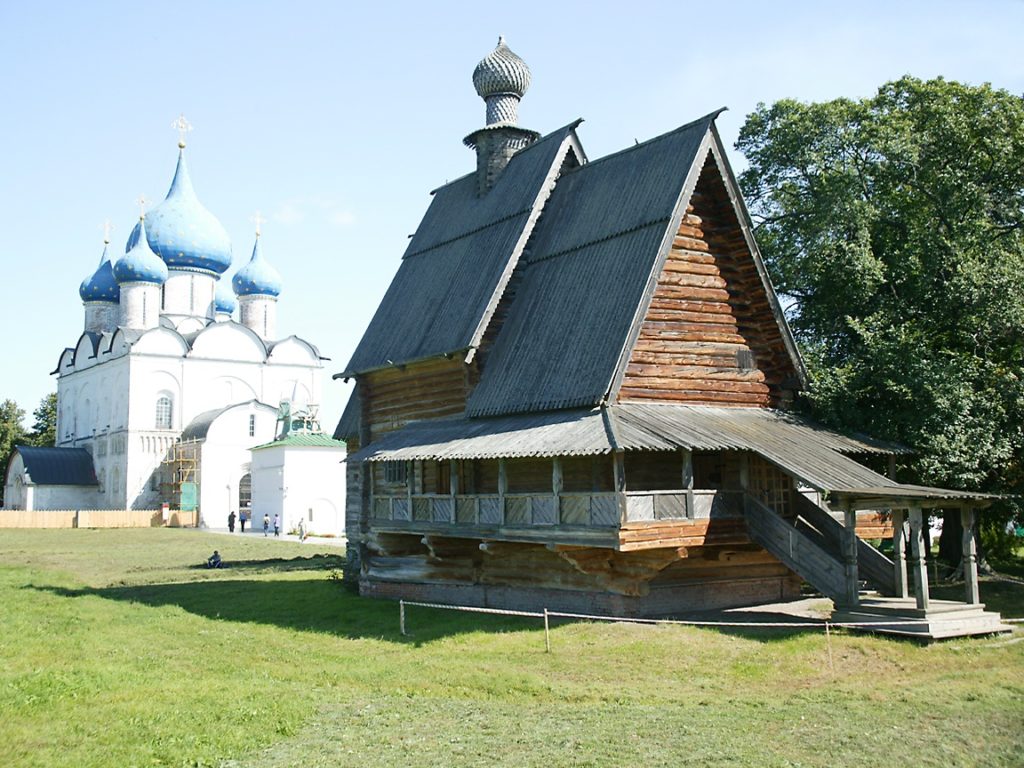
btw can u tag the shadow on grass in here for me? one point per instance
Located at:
(317, 604)
(278, 564)
(325, 605)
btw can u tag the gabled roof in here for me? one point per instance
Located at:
(58, 466)
(589, 268)
(457, 263)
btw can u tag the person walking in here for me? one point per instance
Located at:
(241, 519)
(266, 524)
(277, 526)
(302, 529)
(231, 522)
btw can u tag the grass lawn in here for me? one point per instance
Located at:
(116, 650)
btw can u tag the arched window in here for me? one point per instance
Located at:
(164, 412)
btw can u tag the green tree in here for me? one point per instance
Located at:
(895, 226)
(44, 429)
(11, 432)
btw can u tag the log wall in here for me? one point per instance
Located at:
(709, 336)
(432, 389)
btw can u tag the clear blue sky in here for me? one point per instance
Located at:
(335, 120)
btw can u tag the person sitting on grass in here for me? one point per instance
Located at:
(214, 561)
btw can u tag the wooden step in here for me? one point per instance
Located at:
(941, 620)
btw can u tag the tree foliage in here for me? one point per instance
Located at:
(895, 225)
(44, 428)
(11, 433)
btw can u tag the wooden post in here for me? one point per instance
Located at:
(547, 633)
(970, 556)
(401, 617)
(453, 485)
(899, 552)
(502, 488)
(918, 562)
(373, 490)
(619, 468)
(410, 478)
(556, 486)
(850, 554)
(688, 482)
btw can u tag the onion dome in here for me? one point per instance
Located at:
(182, 232)
(140, 264)
(257, 278)
(501, 72)
(101, 285)
(224, 301)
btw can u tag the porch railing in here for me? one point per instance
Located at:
(599, 509)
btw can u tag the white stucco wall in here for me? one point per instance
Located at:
(300, 482)
(225, 459)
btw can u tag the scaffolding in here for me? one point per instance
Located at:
(180, 475)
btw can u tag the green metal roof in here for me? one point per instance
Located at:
(304, 440)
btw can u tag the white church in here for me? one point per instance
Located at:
(165, 392)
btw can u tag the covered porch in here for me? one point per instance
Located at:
(909, 609)
(682, 489)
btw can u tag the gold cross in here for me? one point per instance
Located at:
(142, 206)
(182, 126)
(258, 221)
(107, 226)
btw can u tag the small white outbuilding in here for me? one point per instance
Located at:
(300, 477)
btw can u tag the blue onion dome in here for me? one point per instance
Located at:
(140, 264)
(101, 285)
(257, 277)
(223, 298)
(182, 232)
(501, 72)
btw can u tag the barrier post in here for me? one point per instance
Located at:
(547, 633)
(828, 644)
(401, 617)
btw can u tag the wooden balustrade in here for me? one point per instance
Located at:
(591, 510)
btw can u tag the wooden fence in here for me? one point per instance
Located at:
(95, 518)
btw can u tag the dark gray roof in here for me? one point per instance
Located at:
(58, 466)
(587, 270)
(199, 427)
(348, 424)
(455, 262)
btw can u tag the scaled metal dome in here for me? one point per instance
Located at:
(257, 278)
(182, 232)
(140, 264)
(224, 300)
(501, 72)
(101, 284)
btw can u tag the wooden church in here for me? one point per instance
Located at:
(574, 396)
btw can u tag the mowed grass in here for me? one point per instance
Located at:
(116, 650)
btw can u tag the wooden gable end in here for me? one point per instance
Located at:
(710, 335)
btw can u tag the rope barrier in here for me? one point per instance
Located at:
(546, 615)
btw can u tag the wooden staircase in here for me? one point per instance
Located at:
(799, 545)
(809, 543)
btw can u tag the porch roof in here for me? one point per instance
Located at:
(804, 449)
